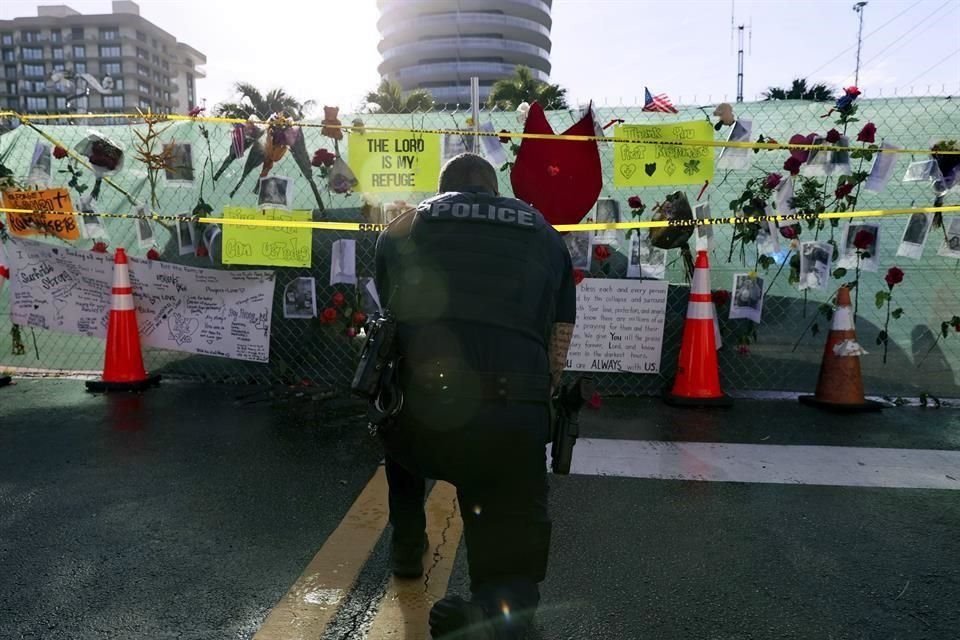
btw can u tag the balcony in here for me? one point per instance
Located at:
(465, 24)
(457, 72)
(512, 51)
(392, 10)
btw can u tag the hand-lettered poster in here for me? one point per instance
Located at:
(386, 162)
(50, 213)
(646, 164)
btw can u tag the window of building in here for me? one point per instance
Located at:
(8, 55)
(158, 77)
(142, 54)
(36, 103)
(156, 60)
(58, 66)
(11, 87)
(12, 103)
(143, 71)
(30, 36)
(113, 102)
(110, 33)
(57, 53)
(31, 53)
(60, 103)
(141, 36)
(6, 38)
(79, 51)
(80, 67)
(76, 33)
(10, 71)
(143, 87)
(56, 36)
(157, 92)
(166, 96)
(34, 70)
(111, 68)
(118, 84)
(144, 103)
(111, 51)
(165, 65)
(82, 103)
(191, 101)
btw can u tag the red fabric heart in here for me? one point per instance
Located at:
(562, 198)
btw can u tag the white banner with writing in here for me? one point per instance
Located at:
(619, 326)
(219, 313)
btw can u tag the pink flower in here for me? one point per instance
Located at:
(772, 181)
(595, 401)
(743, 350)
(833, 136)
(351, 332)
(868, 133)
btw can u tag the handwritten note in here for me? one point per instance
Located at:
(619, 326)
(394, 162)
(268, 246)
(220, 313)
(650, 165)
(47, 215)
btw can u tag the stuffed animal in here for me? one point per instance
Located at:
(725, 112)
(331, 128)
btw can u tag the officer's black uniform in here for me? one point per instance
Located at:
(476, 282)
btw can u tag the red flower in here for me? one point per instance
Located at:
(359, 317)
(339, 299)
(792, 165)
(601, 252)
(153, 254)
(833, 136)
(323, 158)
(59, 152)
(868, 133)
(504, 139)
(843, 190)
(894, 277)
(329, 315)
(772, 181)
(634, 202)
(721, 297)
(99, 247)
(4, 272)
(202, 251)
(553, 170)
(743, 350)
(790, 232)
(351, 332)
(594, 401)
(577, 276)
(801, 154)
(863, 240)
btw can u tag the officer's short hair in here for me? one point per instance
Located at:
(468, 170)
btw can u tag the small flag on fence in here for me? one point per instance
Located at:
(237, 143)
(659, 103)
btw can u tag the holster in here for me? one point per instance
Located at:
(567, 403)
(376, 376)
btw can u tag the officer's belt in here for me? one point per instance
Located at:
(513, 387)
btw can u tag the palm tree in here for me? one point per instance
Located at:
(254, 103)
(800, 91)
(389, 96)
(523, 87)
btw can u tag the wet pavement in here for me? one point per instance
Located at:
(191, 511)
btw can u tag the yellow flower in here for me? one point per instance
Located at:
(753, 275)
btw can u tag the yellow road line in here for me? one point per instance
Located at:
(405, 608)
(314, 598)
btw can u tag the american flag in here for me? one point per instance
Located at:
(237, 143)
(657, 103)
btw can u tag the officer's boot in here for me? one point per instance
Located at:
(406, 558)
(479, 619)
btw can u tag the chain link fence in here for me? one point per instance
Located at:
(783, 352)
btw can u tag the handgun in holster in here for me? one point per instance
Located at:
(376, 377)
(567, 402)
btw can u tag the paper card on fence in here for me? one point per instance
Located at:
(643, 164)
(783, 196)
(456, 143)
(91, 225)
(950, 248)
(49, 213)
(733, 157)
(186, 236)
(768, 242)
(369, 297)
(747, 299)
(300, 299)
(815, 261)
(578, 244)
(922, 171)
(145, 233)
(492, 147)
(882, 170)
(210, 235)
(267, 245)
(915, 236)
(275, 192)
(343, 262)
(646, 260)
(701, 211)
(40, 166)
(607, 210)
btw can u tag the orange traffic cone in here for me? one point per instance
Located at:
(840, 387)
(698, 375)
(123, 365)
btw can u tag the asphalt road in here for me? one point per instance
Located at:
(191, 511)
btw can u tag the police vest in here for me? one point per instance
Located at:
(477, 258)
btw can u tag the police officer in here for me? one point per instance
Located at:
(482, 290)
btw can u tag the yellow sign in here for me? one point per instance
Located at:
(267, 246)
(391, 162)
(46, 217)
(652, 165)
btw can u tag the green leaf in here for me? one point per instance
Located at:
(882, 297)
(839, 273)
(944, 329)
(815, 329)
(881, 337)
(896, 313)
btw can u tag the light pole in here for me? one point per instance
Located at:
(859, 9)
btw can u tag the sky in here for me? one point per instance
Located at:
(605, 50)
